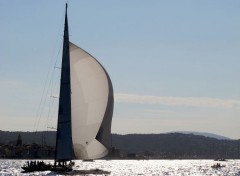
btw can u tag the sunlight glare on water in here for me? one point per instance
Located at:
(137, 167)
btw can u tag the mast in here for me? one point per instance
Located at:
(64, 147)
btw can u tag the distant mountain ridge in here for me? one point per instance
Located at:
(178, 145)
(49, 136)
(168, 145)
(211, 135)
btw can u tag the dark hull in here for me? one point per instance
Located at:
(36, 168)
(61, 169)
(67, 170)
(47, 168)
(217, 167)
(50, 168)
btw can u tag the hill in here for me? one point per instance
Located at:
(8, 137)
(211, 135)
(178, 145)
(168, 145)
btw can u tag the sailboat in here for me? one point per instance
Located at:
(85, 109)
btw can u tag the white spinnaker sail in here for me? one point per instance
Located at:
(89, 100)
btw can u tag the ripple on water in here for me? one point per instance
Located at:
(137, 167)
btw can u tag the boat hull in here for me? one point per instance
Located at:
(34, 169)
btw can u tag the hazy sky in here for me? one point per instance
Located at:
(174, 64)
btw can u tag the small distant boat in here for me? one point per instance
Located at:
(85, 111)
(88, 160)
(217, 166)
(220, 159)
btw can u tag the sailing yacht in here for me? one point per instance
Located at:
(85, 109)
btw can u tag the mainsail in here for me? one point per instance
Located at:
(64, 149)
(85, 105)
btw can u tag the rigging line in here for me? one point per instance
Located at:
(40, 107)
(49, 92)
(54, 88)
(43, 101)
(45, 91)
(51, 102)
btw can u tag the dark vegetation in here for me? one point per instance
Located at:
(161, 146)
(177, 145)
(47, 137)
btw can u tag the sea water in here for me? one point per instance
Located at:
(137, 167)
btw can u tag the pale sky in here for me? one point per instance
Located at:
(174, 64)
